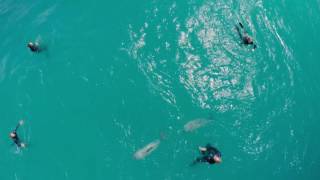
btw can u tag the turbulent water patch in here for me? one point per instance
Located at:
(202, 53)
(210, 64)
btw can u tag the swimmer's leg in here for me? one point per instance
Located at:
(198, 160)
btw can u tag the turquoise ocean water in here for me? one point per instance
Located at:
(118, 75)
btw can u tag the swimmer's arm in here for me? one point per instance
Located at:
(19, 144)
(18, 125)
(202, 149)
(240, 24)
(15, 130)
(239, 32)
(244, 31)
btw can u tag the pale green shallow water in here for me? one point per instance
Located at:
(118, 75)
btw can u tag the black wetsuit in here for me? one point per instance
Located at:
(34, 48)
(207, 156)
(16, 138)
(244, 37)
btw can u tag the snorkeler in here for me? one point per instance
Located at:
(210, 155)
(14, 136)
(246, 39)
(34, 47)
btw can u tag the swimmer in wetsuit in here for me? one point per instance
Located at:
(210, 155)
(246, 39)
(34, 47)
(14, 136)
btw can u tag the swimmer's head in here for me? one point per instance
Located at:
(217, 159)
(13, 135)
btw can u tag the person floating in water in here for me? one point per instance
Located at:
(34, 47)
(210, 155)
(15, 138)
(246, 39)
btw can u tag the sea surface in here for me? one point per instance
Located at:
(118, 75)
